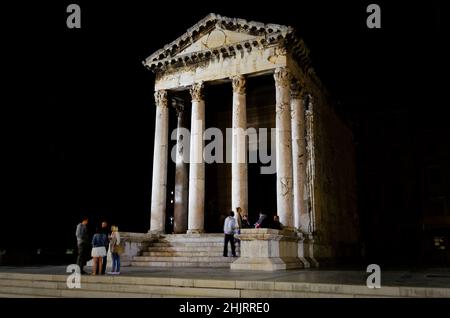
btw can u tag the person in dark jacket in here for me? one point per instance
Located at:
(82, 243)
(276, 223)
(105, 231)
(245, 222)
(98, 250)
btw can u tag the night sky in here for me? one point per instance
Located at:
(78, 108)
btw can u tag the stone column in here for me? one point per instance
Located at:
(284, 148)
(196, 215)
(159, 182)
(298, 155)
(181, 174)
(310, 166)
(239, 185)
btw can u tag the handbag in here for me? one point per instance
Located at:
(119, 248)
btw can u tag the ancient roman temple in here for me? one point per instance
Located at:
(249, 90)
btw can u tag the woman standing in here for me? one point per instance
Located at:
(98, 250)
(116, 249)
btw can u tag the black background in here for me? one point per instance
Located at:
(78, 109)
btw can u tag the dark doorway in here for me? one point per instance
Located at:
(218, 107)
(261, 115)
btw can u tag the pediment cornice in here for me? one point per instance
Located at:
(259, 36)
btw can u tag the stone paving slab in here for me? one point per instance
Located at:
(436, 278)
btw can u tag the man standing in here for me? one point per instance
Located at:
(82, 243)
(229, 227)
(105, 231)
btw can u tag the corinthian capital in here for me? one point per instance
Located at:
(282, 77)
(197, 92)
(178, 105)
(310, 98)
(238, 84)
(161, 98)
(309, 104)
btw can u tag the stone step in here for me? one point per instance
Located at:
(12, 288)
(187, 241)
(180, 264)
(43, 285)
(212, 249)
(199, 259)
(30, 291)
(187, 244)
(106, 290)
(12, 295)
(192, 238)
(184, 253)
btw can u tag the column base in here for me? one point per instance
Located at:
(155, 232)
(301, 251)
(194, 231)
(306, 249)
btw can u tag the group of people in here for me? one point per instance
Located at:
(98, 246)
(232, 226)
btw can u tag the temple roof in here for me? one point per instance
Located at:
(218, 35)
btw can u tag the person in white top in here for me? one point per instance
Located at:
(229, 227)
(116, 249)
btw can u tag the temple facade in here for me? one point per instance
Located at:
(244, 77)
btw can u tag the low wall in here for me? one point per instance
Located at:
(268, 250)
(134, 244)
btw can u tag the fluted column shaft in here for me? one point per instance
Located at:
(181, 175)
(159, 181)
(239, 184)
(196, 215)
(298, 155)
(284, 148)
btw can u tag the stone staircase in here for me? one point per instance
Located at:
(124, 286)
(185, 250)
(19, 285)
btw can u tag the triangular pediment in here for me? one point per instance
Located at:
(215, 31)
(217, 37)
